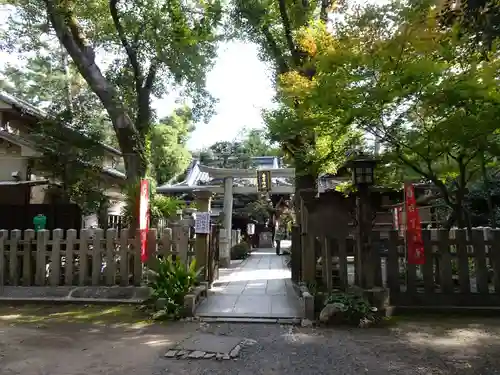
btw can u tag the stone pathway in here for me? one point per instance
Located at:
(257, 288)
(209, 346)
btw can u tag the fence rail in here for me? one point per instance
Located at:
(86, 257)
(460, 270)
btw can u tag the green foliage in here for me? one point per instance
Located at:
(72, 154)
(257, 210)
(153, 46)
(171, 281)
(160, 206)
(354, 309)
(240, 251)
(169, 154)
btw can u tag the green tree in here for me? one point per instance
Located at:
(152, 45)
(169, 154)
(273, 25)
(72, 156)
(394, 73)
(256, 142)
(52, 83)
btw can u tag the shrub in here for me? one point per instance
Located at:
(171, 281)
(240, 251)
(350, 308)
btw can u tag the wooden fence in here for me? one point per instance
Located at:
(459, 270)
(88, 257)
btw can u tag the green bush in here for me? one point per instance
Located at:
(171, 281)
(352, 308)
(240, 251)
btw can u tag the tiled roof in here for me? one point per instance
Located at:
(31, 110)
(196, 177)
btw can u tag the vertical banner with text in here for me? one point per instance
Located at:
(144, 218)
(414, 241)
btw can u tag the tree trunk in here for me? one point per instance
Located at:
(83, 55)
(489, 198)
(303, 183)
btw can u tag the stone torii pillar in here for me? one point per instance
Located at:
(225, 238)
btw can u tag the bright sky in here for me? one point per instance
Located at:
(238, 80)
(242, 84)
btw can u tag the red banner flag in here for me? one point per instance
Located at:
(144, 218)
(414, 241)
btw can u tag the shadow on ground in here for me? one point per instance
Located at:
(91, 340)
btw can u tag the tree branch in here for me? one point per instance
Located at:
(288, 32)
(130, 51)
(143, 120)
(323, 14)
(273, 46)
(70, 36)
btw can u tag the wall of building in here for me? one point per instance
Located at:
(11, 160)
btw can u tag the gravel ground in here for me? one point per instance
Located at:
(453, 347)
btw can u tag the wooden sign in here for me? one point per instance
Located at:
(264, 181)
(202, 223)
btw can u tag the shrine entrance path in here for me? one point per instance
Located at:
(256, 288)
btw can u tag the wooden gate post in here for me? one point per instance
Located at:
(203, 201)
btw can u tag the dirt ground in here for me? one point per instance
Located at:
(92, 340)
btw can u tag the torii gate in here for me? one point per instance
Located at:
(228, 175)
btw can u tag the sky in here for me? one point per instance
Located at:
(242, 84)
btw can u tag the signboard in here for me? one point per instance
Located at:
(399, 220)
(144, 218)
(264, 181)
(202, 223)
(414, 241)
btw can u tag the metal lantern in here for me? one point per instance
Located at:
(362, 170)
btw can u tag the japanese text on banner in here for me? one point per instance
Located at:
(144, 218)
(414, 241)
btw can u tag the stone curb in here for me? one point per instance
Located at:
(307, 302)
(194, 298)
(75, 294)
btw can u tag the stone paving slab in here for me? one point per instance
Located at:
(209, 343)
(260, 287)
(209, 346)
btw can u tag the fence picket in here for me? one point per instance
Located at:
(29, 236)
(97, 256)
(110, 272)
(136, 256)
(69, 256)
(3, 239)
(494, 259)
(42, 240)
(83, 257)
(428, 266)
(55, 257)
(480, 266)
(124, 258)
(15, 236)
(392, 263)
(463, 261)
(445, 269)
(343, 269)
